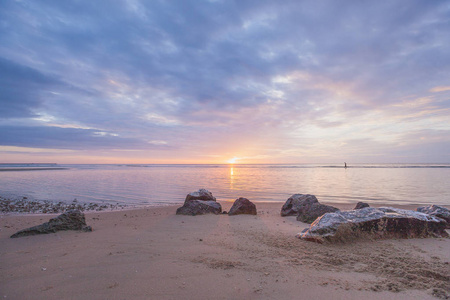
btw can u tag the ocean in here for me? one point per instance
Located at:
(156, 185)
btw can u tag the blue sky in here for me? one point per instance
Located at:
(215, 81)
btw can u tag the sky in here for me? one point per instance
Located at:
(225, 81)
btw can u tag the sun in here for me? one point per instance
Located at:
(232, 160)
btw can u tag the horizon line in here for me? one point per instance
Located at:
(295, 163)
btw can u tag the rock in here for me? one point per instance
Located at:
(199, 203)
(373, 223)
(199, 207)
(360, 205)
(295, 202)
(70, 220)
(308, 213)
(242, 206)
(306, 207)
(201, 194)
(437, 211)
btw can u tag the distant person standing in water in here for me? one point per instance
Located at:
(345, 165)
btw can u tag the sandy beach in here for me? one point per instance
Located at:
(151, 253)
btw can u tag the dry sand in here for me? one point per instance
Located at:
(155, 254)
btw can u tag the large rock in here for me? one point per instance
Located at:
(360, 205)
(369, 222)
(242, 206)
(308, 213)
(437, 211)
(201, 194)
(70, 220)
(199, 203)
(199, 207)
(296, 202)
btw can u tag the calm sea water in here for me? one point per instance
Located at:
(151, 185)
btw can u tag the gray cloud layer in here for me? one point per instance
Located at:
(165, 74)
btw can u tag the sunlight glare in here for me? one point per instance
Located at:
(232, 160)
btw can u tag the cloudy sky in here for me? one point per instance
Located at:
(218, 81)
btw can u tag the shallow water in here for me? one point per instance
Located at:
(144, 185)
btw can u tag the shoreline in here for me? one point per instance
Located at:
(33, 207)
(152, 253)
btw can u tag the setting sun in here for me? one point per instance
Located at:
(232, 160)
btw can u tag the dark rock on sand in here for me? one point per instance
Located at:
(199, 207)
(201, 194)
(360, 205)
(437, 211)
(296, 202)
(242, 206)
(308, 213)
(372, 223)
(199, 203)
(306, 207)
(70, 220)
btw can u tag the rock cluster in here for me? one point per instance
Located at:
(242, 206)
(203, 202)
(384, 222)
(70, 220)
(306, 207)
(199, 203)
(24, 205)
(437, 211)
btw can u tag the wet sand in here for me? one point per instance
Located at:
(154, 254)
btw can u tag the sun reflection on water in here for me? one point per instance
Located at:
(231, 178)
